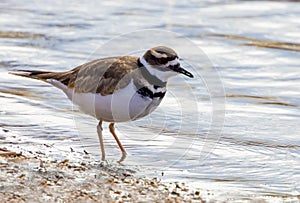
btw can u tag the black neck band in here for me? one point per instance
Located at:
(146, 92)
(149, 77)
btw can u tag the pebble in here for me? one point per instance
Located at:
(82, 182)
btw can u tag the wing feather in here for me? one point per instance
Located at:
(105, 75)
(102, 76)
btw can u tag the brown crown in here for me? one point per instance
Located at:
(160, 55)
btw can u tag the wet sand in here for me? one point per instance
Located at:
(35, 175)
(36, 179)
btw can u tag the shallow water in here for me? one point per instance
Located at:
(254, 47)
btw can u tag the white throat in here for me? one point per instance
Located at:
(163, 76)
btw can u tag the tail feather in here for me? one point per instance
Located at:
(65, 78)
(35, 74)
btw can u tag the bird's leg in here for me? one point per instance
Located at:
(112, 131)
(99, 131)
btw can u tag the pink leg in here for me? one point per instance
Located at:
(99, 131)
(112, 131)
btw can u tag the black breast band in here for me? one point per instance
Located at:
(146, 92)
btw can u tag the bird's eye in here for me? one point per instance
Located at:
(172, 58)
(162, 60)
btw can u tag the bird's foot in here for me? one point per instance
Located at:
(123, 157)
(104, 163)
(103, 158)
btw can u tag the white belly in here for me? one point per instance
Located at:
(123, 105)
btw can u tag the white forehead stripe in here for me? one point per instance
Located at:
(173, 63)
(158, 55)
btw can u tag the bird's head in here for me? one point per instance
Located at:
(163, 62)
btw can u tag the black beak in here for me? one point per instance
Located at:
(178, 69)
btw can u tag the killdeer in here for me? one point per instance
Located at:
(116, 89)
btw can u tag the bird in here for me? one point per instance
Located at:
(116, 89)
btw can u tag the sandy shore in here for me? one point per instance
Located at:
(34, 179)
(35, 172)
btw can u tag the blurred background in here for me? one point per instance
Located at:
(253, 46)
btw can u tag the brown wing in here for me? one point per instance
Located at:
(102, 76)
